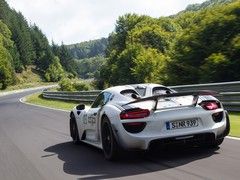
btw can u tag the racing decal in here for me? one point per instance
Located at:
(84, 119)
(92, 120)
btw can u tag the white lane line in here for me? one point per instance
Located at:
(234, 138)
(22, 100)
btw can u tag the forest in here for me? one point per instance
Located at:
(23, 44)
(89, 57)
(198, 45)
(88, 49)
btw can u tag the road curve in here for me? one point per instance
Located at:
(35, 144)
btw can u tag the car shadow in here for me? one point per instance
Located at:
(89, 163)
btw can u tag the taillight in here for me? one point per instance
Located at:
(136, 113)
(210, 105)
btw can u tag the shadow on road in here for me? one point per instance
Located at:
(89, 162)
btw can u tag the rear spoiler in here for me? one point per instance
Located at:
(195, 95)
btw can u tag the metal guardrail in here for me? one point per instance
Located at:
(219, 87)
(81, 96)
(229, 93)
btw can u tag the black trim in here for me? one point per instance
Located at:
(228, 127)
(192, 139)
(129, 127)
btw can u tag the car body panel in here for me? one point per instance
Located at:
(113, 103)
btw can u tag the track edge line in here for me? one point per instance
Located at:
(22, 100)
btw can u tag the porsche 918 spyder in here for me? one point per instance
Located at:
(136, 117)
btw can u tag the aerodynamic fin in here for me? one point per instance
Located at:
(195, 95)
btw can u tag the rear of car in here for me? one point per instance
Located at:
(171, 118)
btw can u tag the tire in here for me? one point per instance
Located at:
(74, 130)
(109, 144)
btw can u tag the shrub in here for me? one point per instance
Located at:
(66, 85)
(55, 71)
(82, 86)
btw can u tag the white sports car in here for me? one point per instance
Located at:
(137, 117)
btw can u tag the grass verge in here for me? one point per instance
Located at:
(39, 100)
(235, 124)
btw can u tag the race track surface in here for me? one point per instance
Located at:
(35, 144)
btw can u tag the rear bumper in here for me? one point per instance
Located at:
(195, 139)
(144, 141)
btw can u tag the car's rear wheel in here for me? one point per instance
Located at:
(74, 130)
(110, 146)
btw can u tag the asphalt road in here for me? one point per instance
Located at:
(35, 144)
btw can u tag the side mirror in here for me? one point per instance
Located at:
(80, 107)
(135, 96)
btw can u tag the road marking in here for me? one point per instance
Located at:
(234, 138)
(22, 100)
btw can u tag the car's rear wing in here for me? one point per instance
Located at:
(156, 98)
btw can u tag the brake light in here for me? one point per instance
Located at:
(136, 113)
(210, 105)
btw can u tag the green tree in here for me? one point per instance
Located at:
(55, 71)
(214, 68)
(214, 31)
(89, 67)
(65, 57)
(88, 49)
(43, 53)
(124, 24)
(150, 66)
(21, 36)
(6, 70)
(66, 84)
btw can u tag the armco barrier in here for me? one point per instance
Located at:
(81, 96)
(219, 87)
(229, 93)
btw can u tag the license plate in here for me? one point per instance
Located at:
(182, 124)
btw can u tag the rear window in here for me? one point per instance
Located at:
(161, 90)
(128, 92)
(141, 90)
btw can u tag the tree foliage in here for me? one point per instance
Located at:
(207, 4)
(43, 53)
(214, 37)
(65, 57)
(22, 45)
(200, 44)
(88, 49)
(89, 67)
(67, 84)
(55, 71)
(6, 70)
